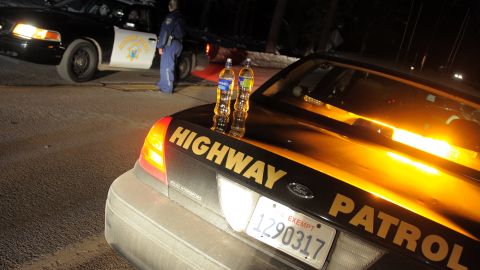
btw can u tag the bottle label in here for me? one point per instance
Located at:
(245, 82)
(224, 84)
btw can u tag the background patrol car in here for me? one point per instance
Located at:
(343, 165)
(82, 36)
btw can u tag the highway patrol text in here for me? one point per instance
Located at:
(263, 173)
(433, 247)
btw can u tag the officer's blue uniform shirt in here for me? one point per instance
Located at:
(173, 25)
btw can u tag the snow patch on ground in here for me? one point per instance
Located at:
(270, 60)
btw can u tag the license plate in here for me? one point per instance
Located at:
(291, 232)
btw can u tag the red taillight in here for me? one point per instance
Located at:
(152, 157)
(207, 49)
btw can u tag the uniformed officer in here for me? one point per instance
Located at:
(170, 46)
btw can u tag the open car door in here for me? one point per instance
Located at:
(133, 49)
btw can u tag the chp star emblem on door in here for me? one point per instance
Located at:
(133, 52)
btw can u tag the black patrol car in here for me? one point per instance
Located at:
(344, 165)
(83, 36)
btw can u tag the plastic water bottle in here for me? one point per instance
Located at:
(226, 81)
(245, 84)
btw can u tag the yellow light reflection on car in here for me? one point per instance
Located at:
(424, 189)
(432, 146)
(420, 194)
(436, 147)
(416, 164)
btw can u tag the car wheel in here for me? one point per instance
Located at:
(79, 62)
(184, 66)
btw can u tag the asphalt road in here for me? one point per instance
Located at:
(18, 72)
(61, 146)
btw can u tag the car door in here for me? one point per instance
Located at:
(133, 49)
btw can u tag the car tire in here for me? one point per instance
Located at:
(79, 62)
(184, 66)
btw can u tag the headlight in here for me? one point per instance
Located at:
(30, 31)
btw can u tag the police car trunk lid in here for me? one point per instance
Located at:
(359, 185)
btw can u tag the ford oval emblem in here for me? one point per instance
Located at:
(300, 190)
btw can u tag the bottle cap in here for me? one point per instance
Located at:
(229, 60)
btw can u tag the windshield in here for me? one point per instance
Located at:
(103, 9)
(413, 114)
(79, 5)
(119, 13)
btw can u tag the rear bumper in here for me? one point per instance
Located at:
(153, 232)
(37, 51)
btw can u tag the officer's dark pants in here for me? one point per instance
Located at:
(167, 66)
